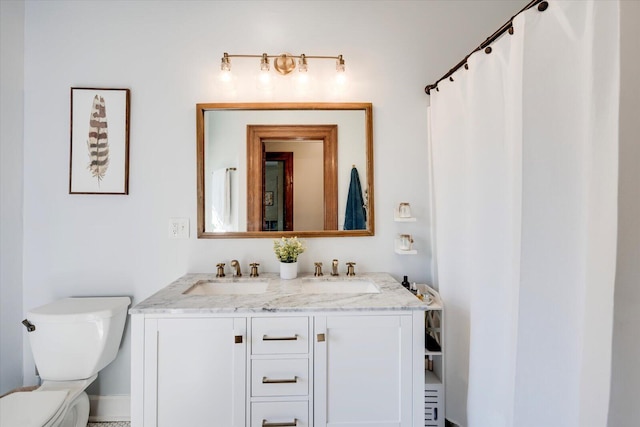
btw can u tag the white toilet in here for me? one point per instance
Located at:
(72, 340)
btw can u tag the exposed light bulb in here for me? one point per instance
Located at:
(264, 77)
(341, 75)
(265, 81)
(225, 76)
(303, 83)
(303, 78)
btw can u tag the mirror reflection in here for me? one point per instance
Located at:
(284, 169)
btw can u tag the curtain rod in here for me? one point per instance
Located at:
(508, 26)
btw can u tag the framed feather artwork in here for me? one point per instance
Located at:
(99, 158)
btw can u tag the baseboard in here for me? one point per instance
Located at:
(110, 408)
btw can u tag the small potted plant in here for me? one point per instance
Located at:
(287, 251)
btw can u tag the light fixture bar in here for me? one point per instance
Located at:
(228, 55)
(283, 63)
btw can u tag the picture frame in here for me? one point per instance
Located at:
(268, 198)
(99, 141)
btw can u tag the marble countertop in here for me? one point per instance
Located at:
(280, 296)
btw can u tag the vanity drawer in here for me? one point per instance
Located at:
(280, 335)
(279, 414)
(281, 377)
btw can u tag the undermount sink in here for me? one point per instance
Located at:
(209, 287)
(339, 287)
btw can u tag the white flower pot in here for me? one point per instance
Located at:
(288, 270)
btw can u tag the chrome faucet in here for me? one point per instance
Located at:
(220, 271)
(350, 270)
(334, 268)
(254, 269)
(235, 264)
(318, 271)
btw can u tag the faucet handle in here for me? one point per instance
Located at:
(220, 271)
(318, 271)
(254, 269)
(350, 269)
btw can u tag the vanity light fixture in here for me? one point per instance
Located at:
(284, 63)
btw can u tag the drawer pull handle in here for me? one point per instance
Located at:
(293, 423)
(293, 338)
(266, 380)
(237, 339)
(321, 338)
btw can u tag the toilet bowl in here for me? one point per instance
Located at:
(72, 340)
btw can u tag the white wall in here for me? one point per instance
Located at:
(168, 53)
(11, 120)
(625, 375)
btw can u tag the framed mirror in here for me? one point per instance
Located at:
(284, 169)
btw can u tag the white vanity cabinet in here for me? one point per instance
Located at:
(363, 371)
(194, 372)
(285, 357)
(322, 370)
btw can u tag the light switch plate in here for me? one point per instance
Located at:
(179, 228)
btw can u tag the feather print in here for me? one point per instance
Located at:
(98, 143)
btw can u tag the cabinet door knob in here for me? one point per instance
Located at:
(321, 338)
(238, 339)
(293, 423)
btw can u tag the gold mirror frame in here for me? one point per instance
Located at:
(201, 109)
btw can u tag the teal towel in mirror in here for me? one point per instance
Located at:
(355, 217)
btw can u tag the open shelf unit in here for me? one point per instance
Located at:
(434, 414)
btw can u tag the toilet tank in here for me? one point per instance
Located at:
(74, 338)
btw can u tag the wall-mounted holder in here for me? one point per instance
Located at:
(402, 213)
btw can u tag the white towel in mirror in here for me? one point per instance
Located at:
(221, 199)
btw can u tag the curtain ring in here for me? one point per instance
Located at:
(466, 66)
(543, 6)
(511, 30)
(450, 79)
(488, 50)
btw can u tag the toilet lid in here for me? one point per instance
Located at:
(30, 409)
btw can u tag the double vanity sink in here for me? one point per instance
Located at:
(205, 293)
(254, 352)
(307, 286)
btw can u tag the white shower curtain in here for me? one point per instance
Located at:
(524, 151)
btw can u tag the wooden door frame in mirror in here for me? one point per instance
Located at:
(202, 108)
(257, 134)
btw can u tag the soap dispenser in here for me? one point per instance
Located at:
(405, 282)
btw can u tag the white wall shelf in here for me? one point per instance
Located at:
(397, 218)
(403, 251)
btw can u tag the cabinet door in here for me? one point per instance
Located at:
(195, 372)
(363, 371)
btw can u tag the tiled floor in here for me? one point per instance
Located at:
(112, 424)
